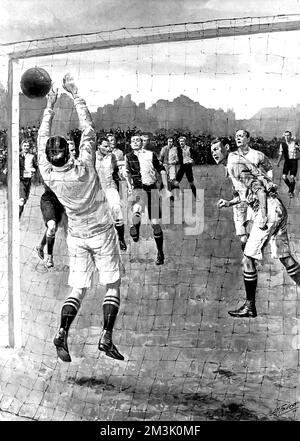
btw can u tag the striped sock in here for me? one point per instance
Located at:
(250, 281)
(111, 305)
(68, 312)
(294, 272)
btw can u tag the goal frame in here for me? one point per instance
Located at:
(87, 42)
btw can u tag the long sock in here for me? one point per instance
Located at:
(120, 230)
(68, 312)
(294, 272)
(111, 305)
(43, 241)
(158, 237)
(287, 181)
(136, 218)
(21, 208)
(136, 222)
(50, 244)
(250, 281)
(292, 186)
(193, 188)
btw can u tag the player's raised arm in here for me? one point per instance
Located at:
(45, 131)
(88, 137)
(84, 116)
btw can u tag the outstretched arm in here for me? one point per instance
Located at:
(44, 132)
(88, 137)
(45, 127)
(224, 203)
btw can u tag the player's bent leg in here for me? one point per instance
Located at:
(119, 226)
(21, 206)
(250, 281)
(292, 267)
(287, 181)
(69, 311)
(159, 240)
(292, 185)
(50, 240)
(243, 239)
(180, 173)
(111, 306)
(134, 230)
(193, 188)
(40, 248)
(175, 189)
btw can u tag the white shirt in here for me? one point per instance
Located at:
(76, 184)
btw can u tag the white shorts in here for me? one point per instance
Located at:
(276, 233)
(240, 218)
(100, 251)
(172, 170)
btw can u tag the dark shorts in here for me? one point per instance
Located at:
(51, 208)
(25, 185)
(149, 196)
(186, 169)
(290, 166)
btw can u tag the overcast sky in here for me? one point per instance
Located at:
(30, 19)
(244, 73)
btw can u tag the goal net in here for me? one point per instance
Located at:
(200, 80)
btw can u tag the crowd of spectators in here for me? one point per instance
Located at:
(199, 142)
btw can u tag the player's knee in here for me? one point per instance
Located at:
(243, 238)
(113, 286)
(284, 176)
(287, 261)
(51, 228)
(136, 214)
(157, 231)
(248, 263)
(78, 293)
(137, 210)
(292, 178)
(21, 202)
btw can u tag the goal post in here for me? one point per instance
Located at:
(14, 292)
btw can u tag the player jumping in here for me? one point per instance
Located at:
(91, 236)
